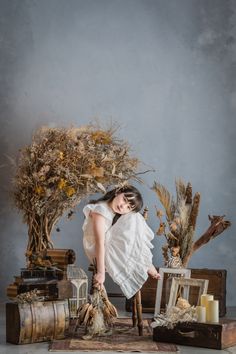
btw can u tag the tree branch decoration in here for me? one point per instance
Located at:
(59, 168)
(180, 223)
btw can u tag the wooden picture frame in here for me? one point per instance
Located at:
(178, 272)
(186, 283)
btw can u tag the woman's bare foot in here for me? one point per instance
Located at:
(153, 273)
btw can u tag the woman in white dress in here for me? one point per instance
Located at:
(118, 237)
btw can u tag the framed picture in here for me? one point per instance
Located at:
(171, 273)
(201, 284)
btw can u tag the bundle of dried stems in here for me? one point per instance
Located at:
(58, 169)
(181, 217)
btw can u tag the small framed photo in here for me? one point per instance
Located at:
(169, 273)
(177, 283)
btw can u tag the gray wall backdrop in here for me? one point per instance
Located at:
(163, 69)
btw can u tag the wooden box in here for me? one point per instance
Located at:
(36, 322)
(217, 287)
(207, 335)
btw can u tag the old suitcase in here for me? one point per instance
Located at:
(207, 335)
(41, 274)
(217, 287)
(36, 322)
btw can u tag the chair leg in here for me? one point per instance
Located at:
(134, 311)
(139, 312)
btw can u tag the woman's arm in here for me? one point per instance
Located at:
(99, 233)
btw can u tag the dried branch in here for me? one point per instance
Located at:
(218, 225)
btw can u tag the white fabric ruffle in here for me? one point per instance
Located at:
(128, 253)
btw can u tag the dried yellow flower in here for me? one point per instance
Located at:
(62, 183)
(61, 155)
(39, 190)
(101, 137)
(70, 191)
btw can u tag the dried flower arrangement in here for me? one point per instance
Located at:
(181, 312)
(179, 228)
(97, 315)
(58, 169)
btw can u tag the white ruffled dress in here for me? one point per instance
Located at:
(128, 246)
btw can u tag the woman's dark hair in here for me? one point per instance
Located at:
(131, 193)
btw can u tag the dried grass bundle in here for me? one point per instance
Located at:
(59, 168)
(97, 315)
(179, 228)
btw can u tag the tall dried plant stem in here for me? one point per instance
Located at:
(194, 211)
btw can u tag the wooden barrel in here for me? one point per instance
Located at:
(36, 322)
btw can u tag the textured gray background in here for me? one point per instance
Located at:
(164, 70)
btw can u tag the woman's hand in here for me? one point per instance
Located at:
(98, 280)
(153, 273)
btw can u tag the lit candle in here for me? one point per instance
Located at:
(213, 310)
(201, 313)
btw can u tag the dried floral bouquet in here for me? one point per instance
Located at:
(179, 229)
(58, 169)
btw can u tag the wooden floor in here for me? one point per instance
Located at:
(40, 348)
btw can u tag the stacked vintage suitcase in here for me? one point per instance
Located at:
(41, 320)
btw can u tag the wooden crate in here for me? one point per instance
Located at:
(207, 335)
(217, 287)
(36, 322)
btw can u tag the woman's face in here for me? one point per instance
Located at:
(120, 204)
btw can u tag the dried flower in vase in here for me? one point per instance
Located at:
(178, 223)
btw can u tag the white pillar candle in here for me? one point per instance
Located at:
(201, 313)
(205, 298)
(213, 310)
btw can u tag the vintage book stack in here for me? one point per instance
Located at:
(40, 309)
